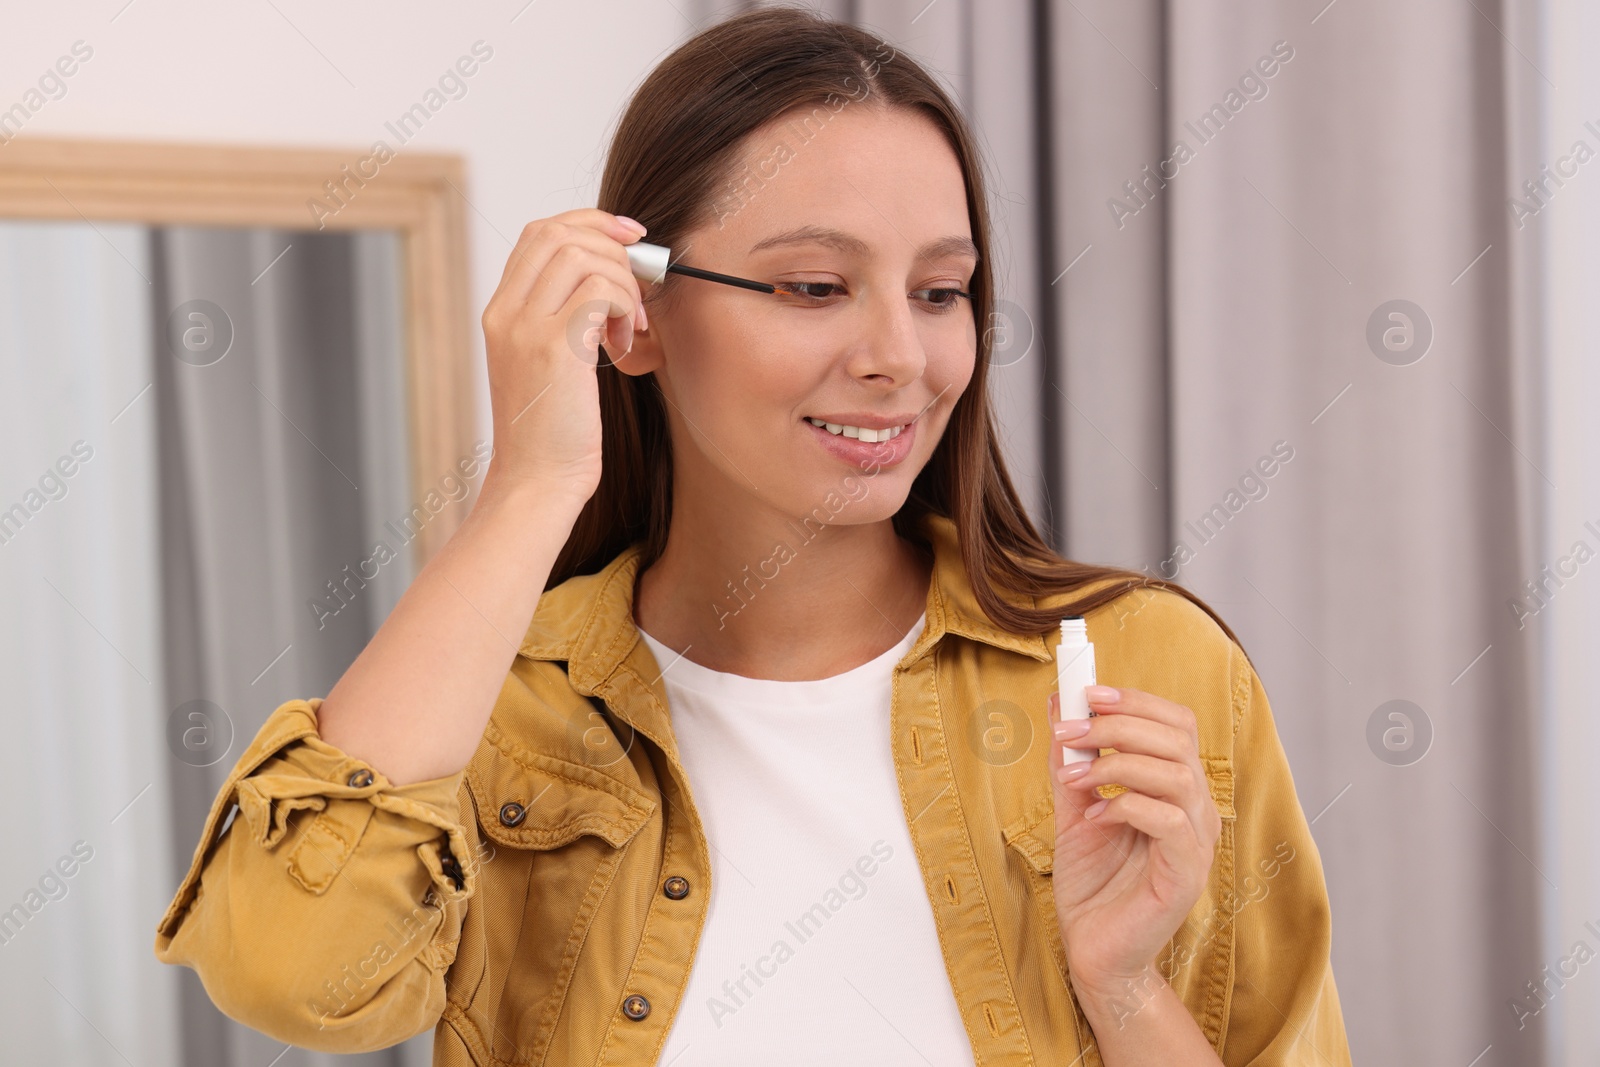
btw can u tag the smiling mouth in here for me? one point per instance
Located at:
(857, 432)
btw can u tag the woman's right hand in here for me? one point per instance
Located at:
(567, 287)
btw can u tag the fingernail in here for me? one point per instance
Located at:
(1101, 694)
(644, 320)
(1072, 728)
(1095, 809)
(635, 223)
(1075, 770)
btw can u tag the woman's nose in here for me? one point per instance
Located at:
(894, 349)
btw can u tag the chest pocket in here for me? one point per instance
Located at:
(1196, 960)
(527, 800)
(1033, 834)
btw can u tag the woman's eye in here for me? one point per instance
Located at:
(807, 289)
(942, 298)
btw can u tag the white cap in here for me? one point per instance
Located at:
(648, 261)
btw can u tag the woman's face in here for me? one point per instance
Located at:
(869, 343)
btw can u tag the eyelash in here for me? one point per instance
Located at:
(938, 309)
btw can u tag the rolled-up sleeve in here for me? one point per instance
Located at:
(1283, 1004)
(324, 905)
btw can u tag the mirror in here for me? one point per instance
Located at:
(238, 418)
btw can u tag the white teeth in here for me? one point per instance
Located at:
(871, 436)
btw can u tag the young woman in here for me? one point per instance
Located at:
(774, 773)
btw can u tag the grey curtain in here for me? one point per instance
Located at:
(283, 455)
(1274, 237)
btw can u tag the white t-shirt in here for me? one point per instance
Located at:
(819, 944)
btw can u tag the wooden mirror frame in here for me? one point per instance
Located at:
(414, 193)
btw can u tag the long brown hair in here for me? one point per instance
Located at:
(674, 150)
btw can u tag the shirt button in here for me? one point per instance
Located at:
(676, 887)
(512, 814)
(636, 1007)
(360, 779)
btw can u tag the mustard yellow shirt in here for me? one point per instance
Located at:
(544, 904)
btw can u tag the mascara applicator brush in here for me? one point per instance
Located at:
(650, 263)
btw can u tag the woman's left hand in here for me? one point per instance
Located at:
(1129, 869)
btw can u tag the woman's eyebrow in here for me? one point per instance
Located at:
(939, 248)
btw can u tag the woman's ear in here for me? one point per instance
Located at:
(645, 355)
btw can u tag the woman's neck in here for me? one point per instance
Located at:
(783, 601)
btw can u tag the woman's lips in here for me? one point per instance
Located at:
(865, 453)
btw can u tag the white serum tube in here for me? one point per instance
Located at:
(1074, 670)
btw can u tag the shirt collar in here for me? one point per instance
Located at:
(587, 621)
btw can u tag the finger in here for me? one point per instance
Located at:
(599, 312)
(598, 218)
(602, 222)
(1183, 785)
(1167, 826)
(531, 260)
(1052, 707)
(569, 264)
(1163, 779)
(573, 267)
(1070, 804)
(1129, 733)
(1053, 717)
(1146, 705)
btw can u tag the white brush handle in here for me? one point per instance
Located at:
(647, 261)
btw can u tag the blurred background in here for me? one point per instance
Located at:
(1352, 243)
